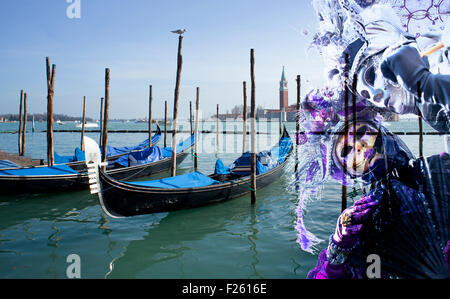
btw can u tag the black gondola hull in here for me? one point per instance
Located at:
(119, 199)
(73, 182)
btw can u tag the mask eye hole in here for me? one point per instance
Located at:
(369, 76)
(361, 132)
(346, 150)
(365, 94)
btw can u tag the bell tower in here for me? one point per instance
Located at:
(284, 102)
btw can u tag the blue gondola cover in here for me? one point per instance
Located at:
(189, 180)
(40, 171)
(8, 164)
(220, 168)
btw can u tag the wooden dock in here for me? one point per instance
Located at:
(21, 160)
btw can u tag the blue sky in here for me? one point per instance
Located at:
(133, 39)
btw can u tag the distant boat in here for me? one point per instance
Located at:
(145, 120)
(60, 122)
(87, 125)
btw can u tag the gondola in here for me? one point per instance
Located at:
(64, 177)
(122, 199)
(77, 161)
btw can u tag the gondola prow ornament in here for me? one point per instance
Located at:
(93, 162)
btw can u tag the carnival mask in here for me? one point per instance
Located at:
(357, 151)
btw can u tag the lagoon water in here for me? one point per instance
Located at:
(227, 240)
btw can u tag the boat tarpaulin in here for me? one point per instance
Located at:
(265, 160)
(110, 151)
(40, 171)
(117, 150)
(8, 164)
(148, 155)
(189, 180)
(152, 154)
(79, 156)
(280, 151)
(183, 145)
(220, 168)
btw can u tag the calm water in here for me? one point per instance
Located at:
(227, 240)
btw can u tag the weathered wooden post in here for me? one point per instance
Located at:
(102, 107)
(253, 135)
(297, 129)
(190, 116)
(244, 118)
(165, 124)
(280, 125)
(175, 107)
(217, 129)
(50, 94)
(106, 117)
(150, 117)
(33, 124)
(346, 111)
(355, 137)
(24, 132)
(197, 106)
(83, 123)
(20, 124)
(419, 99)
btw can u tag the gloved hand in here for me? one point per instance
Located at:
(407, 64)
(350, 222)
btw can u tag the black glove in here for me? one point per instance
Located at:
(407, 65)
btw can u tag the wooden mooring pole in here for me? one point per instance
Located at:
(20, 124)
(165, 123)
(50, 94)
(244, 118)
(175, 107)
(24, 131)
(346, 111)
(106, 117)
(419, 99)
(217, 130)
(150, 102)
(102, 107)
(197, 106)
(297, 129)
(354, 119)
(83, 123)
(253, 132)
(190, 117)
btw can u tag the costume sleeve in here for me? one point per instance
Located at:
(407, 67)
(435, 106)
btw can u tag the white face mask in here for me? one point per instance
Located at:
(356, 155)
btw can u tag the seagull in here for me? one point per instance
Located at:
(179, 31)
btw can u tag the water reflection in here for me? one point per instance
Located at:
(175, 238)
(252, 238)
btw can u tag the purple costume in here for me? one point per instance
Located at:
(404, 218)
(413, 215)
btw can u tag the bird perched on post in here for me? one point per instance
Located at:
(179, 31)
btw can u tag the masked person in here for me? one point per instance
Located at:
(403, 214)
(402, 218)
